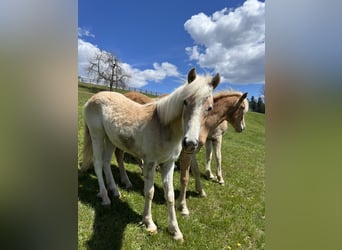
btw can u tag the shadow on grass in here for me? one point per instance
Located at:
(110, 222)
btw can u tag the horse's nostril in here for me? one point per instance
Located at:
(192, 144)
(184, 142)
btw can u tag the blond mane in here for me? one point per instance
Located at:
(168, 107)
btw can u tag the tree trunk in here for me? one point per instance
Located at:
(111, 86)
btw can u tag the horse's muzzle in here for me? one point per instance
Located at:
(189, 146)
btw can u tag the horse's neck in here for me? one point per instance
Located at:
(220, 111)
(218, 115)
(169, 109)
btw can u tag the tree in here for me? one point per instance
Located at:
(262, 92)
(260, 105)
(252, 104)
(106, 67)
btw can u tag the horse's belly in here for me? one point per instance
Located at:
(166, 153)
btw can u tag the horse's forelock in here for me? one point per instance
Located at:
(199, 88)
(170, 105)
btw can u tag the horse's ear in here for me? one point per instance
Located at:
(242, 97)
(215, 81)
(191, 75)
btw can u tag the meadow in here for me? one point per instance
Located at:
(230, 217)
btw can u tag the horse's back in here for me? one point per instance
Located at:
(123, 121)
(138, 97)
(111, 104)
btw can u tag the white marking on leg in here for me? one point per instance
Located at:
(217, 150)
(149, 172)
(167, 176)
(208, 157)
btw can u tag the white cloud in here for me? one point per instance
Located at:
(86, 51)
(138, 78)
(230, 42)
(85, 32)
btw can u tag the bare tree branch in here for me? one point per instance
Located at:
(106, 67)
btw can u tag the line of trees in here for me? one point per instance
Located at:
(257, 106)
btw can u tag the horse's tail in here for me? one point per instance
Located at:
(87, 150)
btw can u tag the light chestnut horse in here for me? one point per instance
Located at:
(155, 132)
(228, 106)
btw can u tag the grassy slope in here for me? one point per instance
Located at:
(231, 216)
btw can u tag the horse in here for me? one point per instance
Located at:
(228, 106)
(155, 132)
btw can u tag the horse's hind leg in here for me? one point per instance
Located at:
(107, 158)
(217, 149)
(98, 150)
(119, 154)
(208, 157)
(196, 172)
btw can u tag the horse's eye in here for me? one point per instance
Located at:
(209, 108)
(185, 103)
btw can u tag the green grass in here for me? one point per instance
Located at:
(229, 216)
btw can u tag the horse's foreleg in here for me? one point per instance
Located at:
(107, 158)
(141, 165)
(167, 176)
(149, 172)
(217, 149)
(208, 157)
(184, 161)
(119, 154)
(197, 174)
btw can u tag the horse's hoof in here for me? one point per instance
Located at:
(209, 175)
(202, 194)
(178, 236)
(152, 232)
(116, 194)
(106, 203)
(220, 181)
(152, 229)
(185, 211)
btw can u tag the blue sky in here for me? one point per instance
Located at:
(158, 42)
